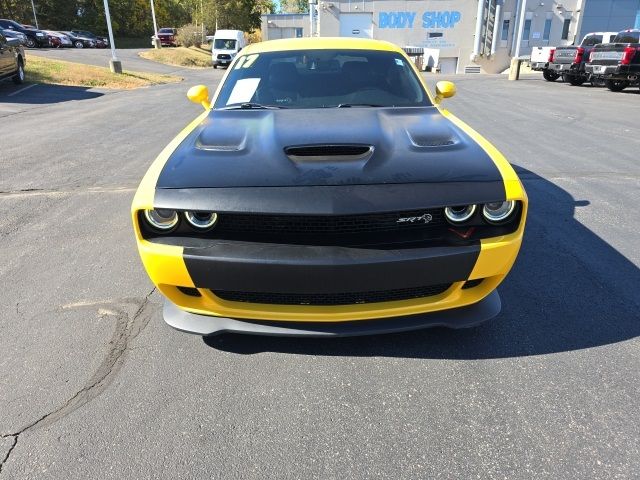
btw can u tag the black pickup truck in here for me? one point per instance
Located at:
(569, 62)
(11, 59)
(617, 63)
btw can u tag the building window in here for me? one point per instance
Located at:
(547, 29)
(505, 30)
(526, 32)
(298, 32)
(565, 29)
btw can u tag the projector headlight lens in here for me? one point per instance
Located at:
(498, 212)
(459, 214)
(201, 220)
(161, 219)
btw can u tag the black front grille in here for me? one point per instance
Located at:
(328, 150)
(347, 298)
(224, 56)
(328, 225)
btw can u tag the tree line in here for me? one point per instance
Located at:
(132, 18)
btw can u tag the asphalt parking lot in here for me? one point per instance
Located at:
(93, 384)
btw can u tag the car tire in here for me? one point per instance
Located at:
(616, 85)
(215, 66)
(78, 44)
(30, 42)
(550, 76)
(18, 78)
(575, 80)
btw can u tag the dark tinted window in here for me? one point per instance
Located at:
(592, 40)
(627, 37)
(165, 30)
(565, 29)
(323, 78)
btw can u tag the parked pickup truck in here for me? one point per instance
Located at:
(617, 63)
(569, 62)
(11, 58)
(540, 57)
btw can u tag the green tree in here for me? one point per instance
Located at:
(294, 6)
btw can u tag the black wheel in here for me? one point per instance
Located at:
(215, 66)
(18, 78)
(550, 76)
(78, 44)
(575, 80)
(616, 85)
(30, 42)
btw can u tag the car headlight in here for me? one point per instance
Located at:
(201, 220)
(161, 219)
(498, 212)
(39, 34)
(459, 214)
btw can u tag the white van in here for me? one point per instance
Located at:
(226, 45)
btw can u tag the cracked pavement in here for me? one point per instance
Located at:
(94, 385)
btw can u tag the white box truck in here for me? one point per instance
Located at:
(226, 45)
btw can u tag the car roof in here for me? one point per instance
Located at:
(323, 43)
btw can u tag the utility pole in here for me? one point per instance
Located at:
(35, 18)
(114, 63)
(156, 39)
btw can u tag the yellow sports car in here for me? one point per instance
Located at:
(324, 191)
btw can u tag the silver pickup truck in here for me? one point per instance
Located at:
(12, 59)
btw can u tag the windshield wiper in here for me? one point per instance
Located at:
(251, 106)
(349, 105)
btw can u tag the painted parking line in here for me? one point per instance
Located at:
(21, 90)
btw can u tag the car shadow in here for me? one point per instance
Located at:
(41, 94)
(569, 290)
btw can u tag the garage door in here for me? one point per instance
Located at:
(449, 65)
(278, 33)
(356, 25)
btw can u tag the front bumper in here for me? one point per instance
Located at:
(463, 317)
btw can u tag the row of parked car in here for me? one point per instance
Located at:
(609, 58)
(37, 38)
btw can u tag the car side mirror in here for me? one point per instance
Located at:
(200, 94)
(444, 89)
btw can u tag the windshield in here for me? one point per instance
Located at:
(323, 78)
(224, 44)
(627, 37)
(165, 30)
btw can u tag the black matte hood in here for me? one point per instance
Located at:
(246, 148)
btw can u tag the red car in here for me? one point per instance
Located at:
(167, 37)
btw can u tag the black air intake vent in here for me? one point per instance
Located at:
(328, 152)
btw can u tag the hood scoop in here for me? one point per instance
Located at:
(311, 153)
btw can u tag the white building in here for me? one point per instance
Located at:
(470, 35)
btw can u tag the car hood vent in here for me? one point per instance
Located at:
(328, 152)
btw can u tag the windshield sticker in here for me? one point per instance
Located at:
(250, 60)
(243, 90)
(240, 62)
(399, 62)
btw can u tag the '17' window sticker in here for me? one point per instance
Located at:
(246, 61)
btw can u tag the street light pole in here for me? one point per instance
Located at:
(156, 39)
(35, 18)
(114, 63)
